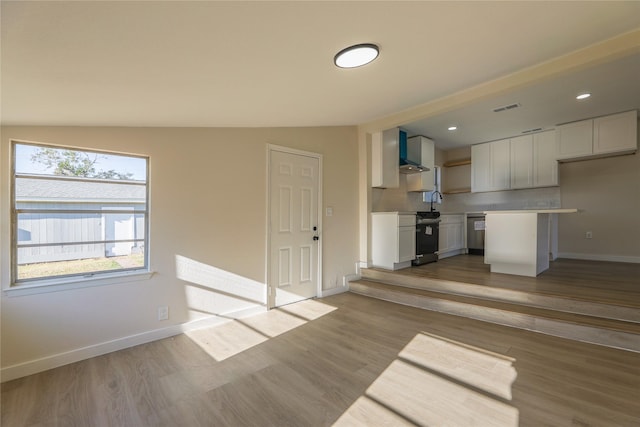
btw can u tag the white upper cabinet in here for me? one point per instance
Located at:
(616, 133)
(522, 161)
(574, 139)
(480, 168)
(531, 161)
(545, 165)
(490, 166)
(599, 137)
(526, 161)
(385, 155)
(424, 181)
(501, 164)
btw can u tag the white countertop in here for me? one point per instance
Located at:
(540, 211)
(393, 213)
(512, 211)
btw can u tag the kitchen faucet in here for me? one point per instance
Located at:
(433, 194)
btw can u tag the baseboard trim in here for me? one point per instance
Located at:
(345, 284)
(334, 291)
(451, 253)
(351, 278)
(593, 257)
(35, 366)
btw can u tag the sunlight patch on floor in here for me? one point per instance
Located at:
(491, 372)
(308, 309)
(437, 381)
(235, 336)
(273, 322)
(226, 340)
(367, 412)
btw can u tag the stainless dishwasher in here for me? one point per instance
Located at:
(475, 234)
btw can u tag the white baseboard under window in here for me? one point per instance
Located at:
(76, 355)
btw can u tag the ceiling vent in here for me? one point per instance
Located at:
(506, 107)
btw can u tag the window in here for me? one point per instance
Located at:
(77, 214)
(427, 196)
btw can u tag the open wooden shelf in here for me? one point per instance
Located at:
(457, 190)
(460, 162)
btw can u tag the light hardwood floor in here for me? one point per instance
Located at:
(600, 281)
(344, 360)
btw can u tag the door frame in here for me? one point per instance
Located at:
(270, 294)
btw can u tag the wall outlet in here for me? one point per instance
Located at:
(163, 312)
(588, 235)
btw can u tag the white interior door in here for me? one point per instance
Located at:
(294, 255)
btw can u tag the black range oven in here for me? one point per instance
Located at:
(427, 234)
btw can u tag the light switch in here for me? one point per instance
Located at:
(329, 211)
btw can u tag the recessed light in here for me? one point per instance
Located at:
(583, 96)
(356, 56)
(452, 128)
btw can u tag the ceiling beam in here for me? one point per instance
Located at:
(608, 50)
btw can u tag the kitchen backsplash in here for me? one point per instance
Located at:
(538, 198)
(398, 199)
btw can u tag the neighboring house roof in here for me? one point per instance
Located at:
(70, 190)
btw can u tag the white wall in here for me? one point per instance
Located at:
(207, 211)
(607, 192)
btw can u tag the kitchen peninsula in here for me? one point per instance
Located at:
(519, 241)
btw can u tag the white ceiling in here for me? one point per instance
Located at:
(615, 87)
(251, 64)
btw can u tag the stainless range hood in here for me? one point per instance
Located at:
(410, 155)
(408, 168)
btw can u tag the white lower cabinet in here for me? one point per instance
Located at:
(451, 239)
(393, 239)
(406, 244)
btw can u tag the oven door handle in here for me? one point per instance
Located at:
(428, 221)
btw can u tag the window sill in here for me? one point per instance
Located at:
(56, 285)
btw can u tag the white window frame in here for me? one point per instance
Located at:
(427, 195)
(79, 280)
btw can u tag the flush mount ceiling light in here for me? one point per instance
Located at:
(452, 128)
(356, 56)
(583, 96)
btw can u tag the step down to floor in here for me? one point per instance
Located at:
(580, 327)
(575, 305)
